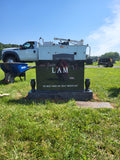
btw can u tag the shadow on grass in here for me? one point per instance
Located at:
(26, 101)
(3, 82)
(114, 92)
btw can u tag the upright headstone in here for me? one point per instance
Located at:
(60, 75)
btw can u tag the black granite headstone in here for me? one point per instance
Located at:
(60, 75)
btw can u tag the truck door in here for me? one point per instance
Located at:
(28, 52)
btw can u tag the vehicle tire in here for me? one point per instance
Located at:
(111, 65)
(105, 65)
(10, 59)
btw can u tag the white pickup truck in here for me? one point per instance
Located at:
(32, 51)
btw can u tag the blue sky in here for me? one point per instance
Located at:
(95, 21)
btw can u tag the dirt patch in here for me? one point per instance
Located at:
(18, 95)
(95, 97)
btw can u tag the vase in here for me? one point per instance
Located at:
(32, 82)
(87, 84)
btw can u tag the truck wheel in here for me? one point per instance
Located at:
(106, 65)
(111, 65)
(10, 59)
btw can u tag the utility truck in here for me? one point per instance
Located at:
(32, 51)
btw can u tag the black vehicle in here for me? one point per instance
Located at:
(106, 62)
(89, 61)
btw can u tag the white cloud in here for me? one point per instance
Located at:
(107, 37)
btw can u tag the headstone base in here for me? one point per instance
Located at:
(77, 95)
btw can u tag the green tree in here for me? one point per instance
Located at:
(113, 55)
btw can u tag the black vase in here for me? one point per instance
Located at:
(87, 84)
(32, 82)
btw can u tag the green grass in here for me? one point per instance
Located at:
(105, 83)
(117, 63)
(60, 130)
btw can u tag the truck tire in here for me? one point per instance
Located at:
(110, 65)
(10, 59)
(106, 65)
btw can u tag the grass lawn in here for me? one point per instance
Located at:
(117, 63)
(105, 83)
(60, 130)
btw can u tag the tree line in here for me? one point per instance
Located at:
(112, 55)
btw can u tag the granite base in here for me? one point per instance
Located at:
(77, 95)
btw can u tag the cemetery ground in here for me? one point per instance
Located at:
(58, 130)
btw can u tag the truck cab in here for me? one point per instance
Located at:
(28, 51)
(25, 53)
